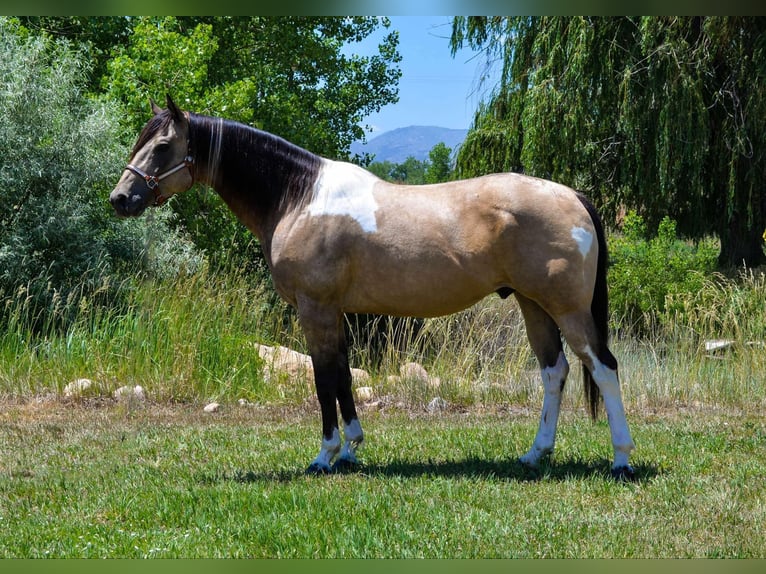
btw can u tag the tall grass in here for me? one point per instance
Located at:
(186, 338)
(191, 338)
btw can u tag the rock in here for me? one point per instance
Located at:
(281, 361)
(284, 361)
(212, 408)
(79, 388)
(414, 371)
(364, 393)
(360, 376)
(417, 373)
(244, 403)
(436, 405)
(126, 393)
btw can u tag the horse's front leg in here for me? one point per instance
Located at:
(323, 328)
(352, 430)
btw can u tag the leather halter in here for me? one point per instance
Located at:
(153, 181)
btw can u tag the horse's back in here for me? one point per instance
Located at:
(429, 250)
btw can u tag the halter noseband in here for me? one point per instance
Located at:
(153, 181)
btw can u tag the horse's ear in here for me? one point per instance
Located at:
(175, 111)
(155, 108)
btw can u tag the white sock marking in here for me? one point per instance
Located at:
(354, 437)
(328, 451)
(546, 433)
(609, 384)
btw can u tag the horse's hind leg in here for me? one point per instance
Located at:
(545, 340)
(581, 335)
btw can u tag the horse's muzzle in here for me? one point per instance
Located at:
(128, 204)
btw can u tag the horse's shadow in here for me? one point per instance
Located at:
(502, 470)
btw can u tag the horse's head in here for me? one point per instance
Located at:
(160, 165)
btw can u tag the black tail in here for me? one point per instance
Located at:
(600, 310)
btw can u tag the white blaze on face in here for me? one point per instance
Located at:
(345, 189)
(584, 239)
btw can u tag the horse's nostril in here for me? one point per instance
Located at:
(118, 202)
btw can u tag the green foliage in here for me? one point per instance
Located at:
(436, 169)
(160, 59)
(659, 114)
(61, 154)
(648, 274)
(411, 171)
(439, 168)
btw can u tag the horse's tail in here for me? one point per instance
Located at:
(599, 308)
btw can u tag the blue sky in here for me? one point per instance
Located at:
(435, 89)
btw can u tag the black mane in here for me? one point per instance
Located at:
(238, 159)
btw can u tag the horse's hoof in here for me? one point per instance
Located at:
(316, 469)
(343, 465)
(624, 474)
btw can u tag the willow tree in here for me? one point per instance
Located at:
(660, 114)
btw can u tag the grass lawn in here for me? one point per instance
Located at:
(101, 479)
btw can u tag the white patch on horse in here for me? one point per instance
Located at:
(329, 450)
(345, 189)
(609, 384)
(354, 437)
(584, 239)
(553, 377)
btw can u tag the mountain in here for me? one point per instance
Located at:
(397, 145)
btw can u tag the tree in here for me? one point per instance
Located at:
(61, 151)
(439, 160)
(411, 171)
(286, 75)
(660, 114)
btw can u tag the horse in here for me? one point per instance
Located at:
(337, 239)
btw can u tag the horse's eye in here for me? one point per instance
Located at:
(162, 148)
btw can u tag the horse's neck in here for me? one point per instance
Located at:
(259, 176)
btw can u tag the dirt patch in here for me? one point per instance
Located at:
(55, 409)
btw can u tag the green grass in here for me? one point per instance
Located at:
(103, 480)
(96, 477)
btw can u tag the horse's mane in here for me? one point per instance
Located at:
(278, 171)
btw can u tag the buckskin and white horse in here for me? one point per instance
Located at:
(339, 240)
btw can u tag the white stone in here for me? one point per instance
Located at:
(212, 408)
(437, 404)
(364, 393)
(79, 388)
(127, 392)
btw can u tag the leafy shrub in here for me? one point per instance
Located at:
(61, 152)
(647, 274)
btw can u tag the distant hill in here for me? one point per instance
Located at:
(399, 144)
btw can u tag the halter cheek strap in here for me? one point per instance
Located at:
(153, 181)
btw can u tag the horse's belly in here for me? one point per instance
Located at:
(421, 291)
